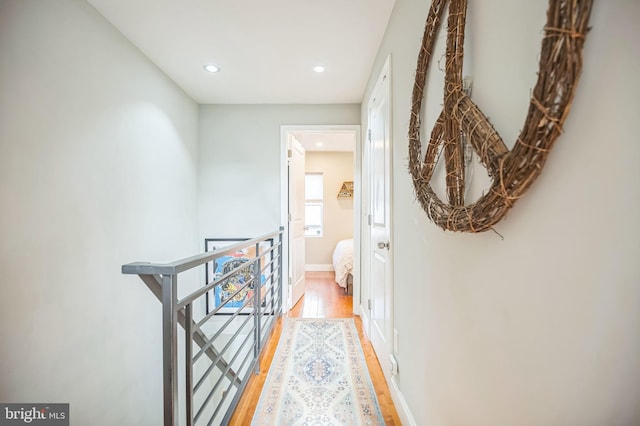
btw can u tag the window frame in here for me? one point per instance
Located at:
(314, 202)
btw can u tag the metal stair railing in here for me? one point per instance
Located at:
(228, 341)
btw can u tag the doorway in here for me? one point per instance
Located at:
(333, 138)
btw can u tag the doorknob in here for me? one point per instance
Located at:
(383, 245)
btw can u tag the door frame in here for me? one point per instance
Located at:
(285, 131)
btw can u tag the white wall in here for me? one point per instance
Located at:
(97, 168)
(336, 167)
(239, 163)
(541, 328)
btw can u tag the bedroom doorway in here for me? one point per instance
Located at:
(331, 154)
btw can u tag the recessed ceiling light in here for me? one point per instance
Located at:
(318, 68)
(319, 144)
(211, 68)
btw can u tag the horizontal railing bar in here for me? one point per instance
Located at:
(214, 283)
(215, 387)
(241, 388)
(214, 312)
(272, 262)
(230, 298)
(268, 326)
(272, 278)
(269, 274)
(219, 332)
(210, 286)
(268, 300)
(200, 338)
(174, 268)
(153, 283)
(228, 345)
(224, 349)
(208, 370)
(219, 380)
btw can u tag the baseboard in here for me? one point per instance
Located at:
(318, 267)
(406, 418)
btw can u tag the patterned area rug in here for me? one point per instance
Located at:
(318, 376)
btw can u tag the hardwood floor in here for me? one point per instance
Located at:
(323, 299)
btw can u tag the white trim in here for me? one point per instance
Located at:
(406, 418)
(366, 326)
(318, 267)
(284, 218)
(285, 130)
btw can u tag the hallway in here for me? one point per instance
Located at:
(323, 299)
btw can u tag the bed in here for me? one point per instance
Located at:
(343, 264)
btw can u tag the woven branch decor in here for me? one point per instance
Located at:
(512, 171)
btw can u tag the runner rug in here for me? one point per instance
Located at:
(318, 376)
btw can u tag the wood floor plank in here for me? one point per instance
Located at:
(323, 299)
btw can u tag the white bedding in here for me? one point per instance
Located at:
(343, 261)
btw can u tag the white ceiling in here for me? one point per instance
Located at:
(327, 140)
(266, 49)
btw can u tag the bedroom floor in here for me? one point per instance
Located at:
(323, 299)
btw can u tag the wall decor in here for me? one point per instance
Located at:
(512, 170)
(240, 287)
(346, 190)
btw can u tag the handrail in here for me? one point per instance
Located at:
(182, 265)
(233, 345)
(218, 253)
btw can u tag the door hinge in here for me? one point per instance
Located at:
(369, 220)
(369, 304)
(289, 153)
(369, 134)
(289, 217)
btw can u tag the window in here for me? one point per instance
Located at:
(313, 203)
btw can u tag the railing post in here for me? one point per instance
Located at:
(272, 280)
(170, 349)
(281, 272)
(188, 356)
(257, 284)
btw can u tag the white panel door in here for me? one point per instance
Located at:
(296, 224)
(381, 292)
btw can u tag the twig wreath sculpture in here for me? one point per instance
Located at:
(513, 171)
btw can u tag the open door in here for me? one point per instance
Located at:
(296, 220)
